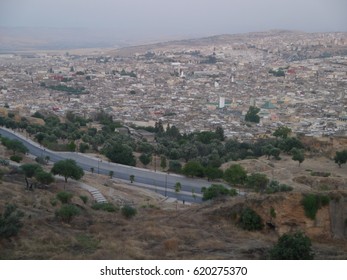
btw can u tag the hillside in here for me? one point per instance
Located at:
(159, 231)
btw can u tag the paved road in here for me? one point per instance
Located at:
(164, 182)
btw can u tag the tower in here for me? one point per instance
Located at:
(221, 102)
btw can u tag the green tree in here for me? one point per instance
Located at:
(29, 170)
(235, 175)
(132, 178)
(298, 155)
(213, 173)
(217, 190)
(120, 153)
(313, 202)
(178, 187)
(83, 147)
(252, 115)
(250, 220)
(68, 169)
(14, 145)
(193, 168)
(175, 166)
(220, 133)
(111, 174)
(295, 246)
(145, 159)
(340, 157)
(287, 144)
(71, 146)
(163, 162)
(257, 181)
(43, 177)
(282, 132)
(267, 150)
(275, 152)
(10, 222)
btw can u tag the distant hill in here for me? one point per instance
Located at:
(28, 39)
(33, 39)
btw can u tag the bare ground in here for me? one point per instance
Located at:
(160, 230)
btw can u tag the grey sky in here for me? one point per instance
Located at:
(177, 17)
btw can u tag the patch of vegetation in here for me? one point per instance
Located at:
(128, 211)
(67, 212)
(252, 115)
(68, 168)
(69, 90)
(64, 197)
(295, 246)
(313, 202)
(86, 244)
(320, 174)
(54, 201)
(341, 157)
(272, 212)
(16, 158)
(108, 207)
(4, 162)
(10, 221)
(14, 145)
(150, 206)
(277, 72)
(275, 187)
(84, 198)
(217, 190)
(257, 181)
(250, 220)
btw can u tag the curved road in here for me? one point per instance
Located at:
(160, 182)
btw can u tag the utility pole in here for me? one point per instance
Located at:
(165, 185)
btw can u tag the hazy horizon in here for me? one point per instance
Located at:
(130, 19)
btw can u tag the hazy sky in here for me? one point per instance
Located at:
(178, 17)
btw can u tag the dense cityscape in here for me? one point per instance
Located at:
(296, 79)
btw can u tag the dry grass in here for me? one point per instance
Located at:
(158, 232)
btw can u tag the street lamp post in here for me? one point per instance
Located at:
(165, 185)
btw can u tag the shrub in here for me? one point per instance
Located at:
(4, 162)
(313, 202)
(64, 197)
(84, 198)
(10, 223)
(257, 181)
(295, 246)
(108, 207)
(54, 201)
(275, 187)
(128, 211)
(216, 190)
(175, 166)
(273, 212)
(250, 220)
(67, 212)
(320, 174)
(40, 160)
(16, 158)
